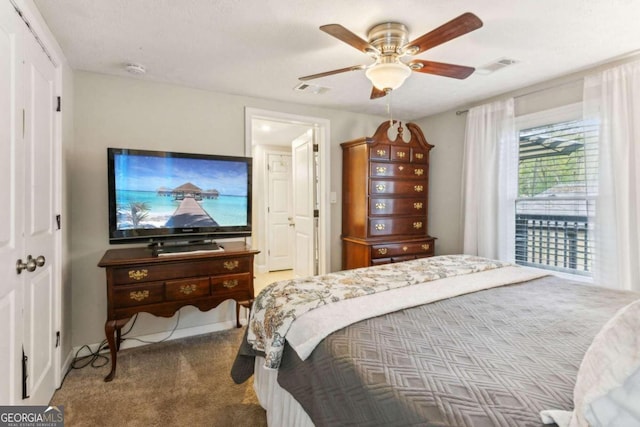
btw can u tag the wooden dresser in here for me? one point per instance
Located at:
(139, 281)
(385, 186)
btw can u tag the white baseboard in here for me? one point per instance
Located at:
(132, 342)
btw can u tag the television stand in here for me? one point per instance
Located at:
(140, 281)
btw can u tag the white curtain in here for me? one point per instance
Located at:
(490, 162)
(612, 97)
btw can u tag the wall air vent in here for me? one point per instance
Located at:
(310, 88)
(495, 66)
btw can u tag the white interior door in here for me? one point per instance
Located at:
(280, 213)
(11, 243)
(39, 219)
(27, 177)
(304, 183)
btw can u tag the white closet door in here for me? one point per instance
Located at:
(28, 171)
(39, 222)
(12, 185)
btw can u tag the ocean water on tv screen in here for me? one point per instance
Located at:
(158, 209)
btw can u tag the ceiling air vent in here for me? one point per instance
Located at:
(495, 66)
(315, 89)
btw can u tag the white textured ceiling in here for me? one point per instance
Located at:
(259, 48)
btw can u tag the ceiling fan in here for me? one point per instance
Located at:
(388, 43)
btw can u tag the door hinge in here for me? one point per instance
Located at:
(25, 395)
(58, 221)
(57, 339)
(316, 213)
(58, 108)
(23, 122)
(315, 148)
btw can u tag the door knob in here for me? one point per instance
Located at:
(30, 265)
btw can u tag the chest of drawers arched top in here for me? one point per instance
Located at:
(385, 197)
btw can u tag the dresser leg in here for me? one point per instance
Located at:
(112, 329)
(246, 304)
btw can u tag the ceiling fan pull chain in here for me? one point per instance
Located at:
(389, 98)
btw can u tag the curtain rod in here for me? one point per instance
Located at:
(461, 112)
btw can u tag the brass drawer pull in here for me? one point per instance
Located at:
(379, 227)
(419, 156)
(230, 283)
(380, 187)
(188, 289)
(418, 188)
(381, 152)
(419, 172)
(417, 225)
(380, 205)
(381, 169)
(426, 246)
(417, 205)
(138, 295)
(401, 154)
(138, 274)
(382, 251)
(231, 265)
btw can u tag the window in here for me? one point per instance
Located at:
(557, 186)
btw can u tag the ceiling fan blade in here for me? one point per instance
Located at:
(342, 34)
(377, 93)
(457, 27)
(329, 73)
(441, 69)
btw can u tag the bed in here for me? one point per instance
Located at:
(442, 341)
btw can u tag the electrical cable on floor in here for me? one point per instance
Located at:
(91, 359)
(163, 339)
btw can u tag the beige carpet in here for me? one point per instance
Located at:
(184, 382)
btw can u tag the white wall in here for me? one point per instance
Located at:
(446, 132)
(132, 113)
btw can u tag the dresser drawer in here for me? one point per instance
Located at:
(132, 295)
(401, 154)
(397, 226)
(187, 288)
(419, 156)
(397, 187)
(389, 206)
(388, 250)
(380, 152)
(178, 270)
(397, 170)
(230, 284)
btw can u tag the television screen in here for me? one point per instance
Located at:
(156, 195)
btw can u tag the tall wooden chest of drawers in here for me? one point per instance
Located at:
(385, 186)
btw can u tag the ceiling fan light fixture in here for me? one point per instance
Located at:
(389, 75)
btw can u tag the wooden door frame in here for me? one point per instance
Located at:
(323, 129)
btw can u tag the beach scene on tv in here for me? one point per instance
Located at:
(169, 192)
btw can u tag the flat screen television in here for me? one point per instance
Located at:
(167, 197)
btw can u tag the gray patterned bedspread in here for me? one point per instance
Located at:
(491, 358)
